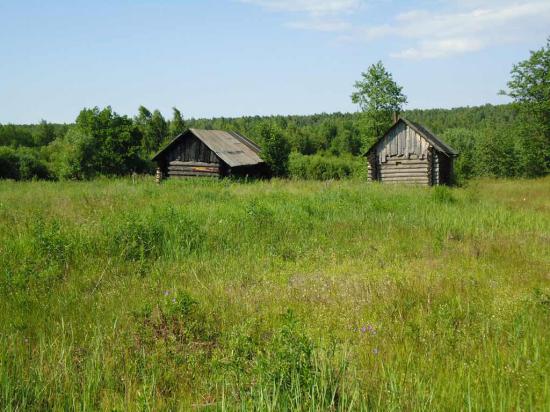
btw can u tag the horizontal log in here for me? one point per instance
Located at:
(420, 181)
(404, 169)
(405, 159)
(403, 182)
(425, 176)
(177, 174)
(390, 175)
(404, 163)
(403, 166)
(180, 163)
(404, 176)
(205, 169)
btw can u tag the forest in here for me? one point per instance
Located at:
(510, 140)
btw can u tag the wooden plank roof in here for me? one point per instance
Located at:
(231, 147)
(435, 141)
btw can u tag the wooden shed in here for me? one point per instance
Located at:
(410, 153)
(213, 153)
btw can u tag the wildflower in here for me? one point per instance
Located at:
(364, 329)
(174, 300)
(166, 292)
(375, 351)
(372, 330)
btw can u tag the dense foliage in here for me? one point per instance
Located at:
(275, 150)
(510, 140)
(491, 141)
(530, 89)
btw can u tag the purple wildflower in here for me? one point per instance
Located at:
(372, 330)
(364, 329)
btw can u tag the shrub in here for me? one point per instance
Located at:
(22, 164)
(276, 149)
(9, 163)
(31, 166)
(319, 167)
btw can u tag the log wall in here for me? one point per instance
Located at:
(405, 156)
(404, 170)
(192, 158)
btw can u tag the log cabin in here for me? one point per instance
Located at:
(410, 153)
(210, 153)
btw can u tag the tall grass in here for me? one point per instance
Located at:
(276, 295)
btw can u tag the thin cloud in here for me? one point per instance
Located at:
(318, 15)
(321, 25)
(440, 48)
(311, 7)
(437, 35)
(471, 26)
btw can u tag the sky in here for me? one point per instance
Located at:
(213, 58)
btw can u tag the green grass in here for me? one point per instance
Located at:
(281, 295)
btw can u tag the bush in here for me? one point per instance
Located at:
(319, 167)
(31, 166)
(276, 149)
(22, 164)
(9, 163)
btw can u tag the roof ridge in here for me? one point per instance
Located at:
(231, 147)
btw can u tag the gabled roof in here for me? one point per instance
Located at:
(435, 141)
(231, 147)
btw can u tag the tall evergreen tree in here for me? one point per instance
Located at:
(45, 134)
(159, 130)
(154, 129)
(177, 124)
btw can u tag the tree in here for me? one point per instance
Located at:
(15, 136)
(154, 129)
(378, 96)
(159, 129)
(497, 153)
(177, 124)
(466, 142)
(329, 131)
(100, 143)
(276, 148)
(143, 121)
(9, 163)
(530, 89)
(45, 134)
(348, 140)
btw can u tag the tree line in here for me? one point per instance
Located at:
(511, 140)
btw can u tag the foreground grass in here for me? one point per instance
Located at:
(274, 296)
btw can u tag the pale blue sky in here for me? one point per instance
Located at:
(254, 57)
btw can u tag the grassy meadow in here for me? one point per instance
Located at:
(281, 295)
